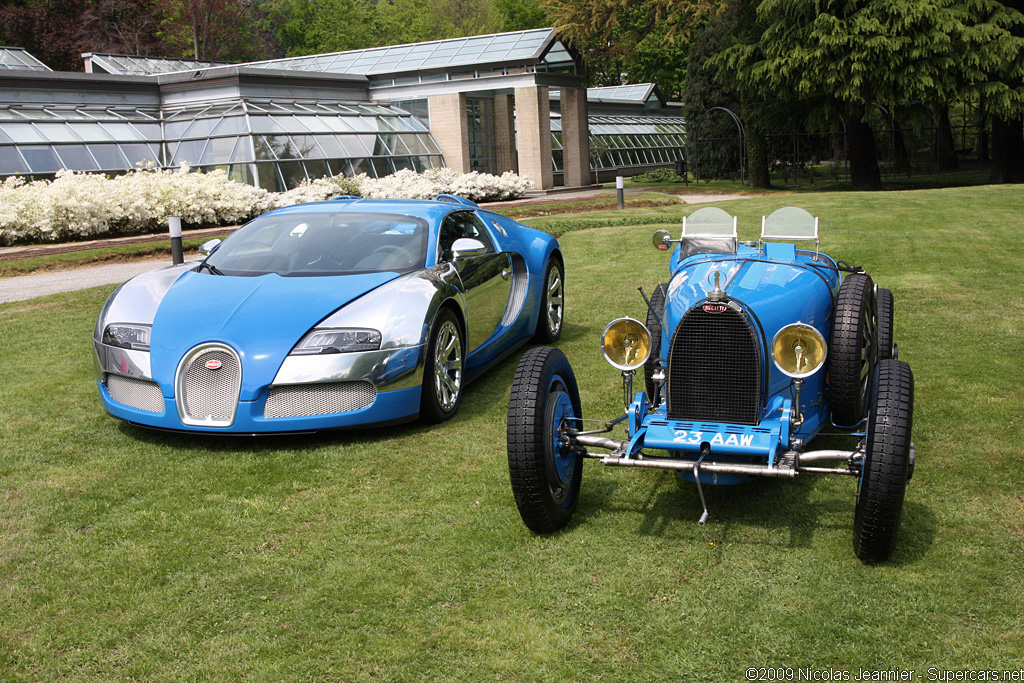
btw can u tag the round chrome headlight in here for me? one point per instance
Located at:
(799, 350)
(626, 343)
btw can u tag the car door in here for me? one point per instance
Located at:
(485, 278)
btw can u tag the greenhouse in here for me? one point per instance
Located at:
(495, 103)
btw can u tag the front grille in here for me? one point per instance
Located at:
(714, 369)
(296, 400)
(209, 395)
(140, 394)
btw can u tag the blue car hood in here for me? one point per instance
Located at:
(261, 318)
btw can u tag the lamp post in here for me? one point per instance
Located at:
(174, 225)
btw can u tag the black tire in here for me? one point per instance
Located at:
(443, 386)
(658, 304)
(552, 304)
(886, 308)
(886, 467)
(545, 474)
(852, 356)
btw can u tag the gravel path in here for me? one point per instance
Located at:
(708, 198)
(22, 287)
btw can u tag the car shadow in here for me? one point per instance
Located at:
(786, 510)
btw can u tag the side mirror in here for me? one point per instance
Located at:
(467, 246)
(662, 240)
(208, 248)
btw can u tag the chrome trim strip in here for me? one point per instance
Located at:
(387, 370)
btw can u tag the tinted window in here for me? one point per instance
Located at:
(311, 244)
(458, 225)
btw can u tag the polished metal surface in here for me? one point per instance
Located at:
(555, 289)
(318, 399)
(386, 370)
(520, 280)
(486, 293)
(129, 362)
(447, 366)
(137, 300)
(208, 395)
(135, 393)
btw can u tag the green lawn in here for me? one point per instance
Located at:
(398, 554)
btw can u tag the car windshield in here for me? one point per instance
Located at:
(319, 244)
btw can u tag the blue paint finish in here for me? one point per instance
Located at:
(261, 318)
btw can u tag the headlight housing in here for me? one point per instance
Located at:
(324, 340)
(799, 350)
(626, 344)
(127, 336)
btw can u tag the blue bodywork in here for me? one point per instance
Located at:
(774, 285)
(262, 318)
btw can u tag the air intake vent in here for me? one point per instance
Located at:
(297, 400)
(209, 379)
(714, 369)
(140, 394)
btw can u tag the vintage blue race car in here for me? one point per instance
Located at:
(331, 314)
(749, 351)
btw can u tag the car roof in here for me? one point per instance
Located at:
(424, 208)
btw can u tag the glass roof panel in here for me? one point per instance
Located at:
(146, 66)
(526, 45)
(17, 59)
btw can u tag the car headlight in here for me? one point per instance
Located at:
(799, 350)
(127, 336)
(626, 343)
(337, 340)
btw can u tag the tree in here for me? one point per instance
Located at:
(49, 29)
(216, 30)
(840, 57)
(631, 40)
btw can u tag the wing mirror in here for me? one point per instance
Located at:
(467, 246)
(662, 240)
(208, 248)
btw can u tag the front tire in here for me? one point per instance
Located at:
(442, 370)
(545, 472)
(552, 304)
(852, 356)
(886, 468)
(886, 306)
(654, 327)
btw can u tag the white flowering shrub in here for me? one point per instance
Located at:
(76, 206)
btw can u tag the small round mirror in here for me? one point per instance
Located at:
(662, 240)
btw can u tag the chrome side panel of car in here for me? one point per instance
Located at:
(120, 361)
(403, 308)
(386, 370)
(136, 301)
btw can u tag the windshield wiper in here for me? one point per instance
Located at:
(214, 270)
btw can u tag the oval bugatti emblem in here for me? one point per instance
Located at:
(715, 308)
(213, 364)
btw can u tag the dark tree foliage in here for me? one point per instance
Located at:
(49, 29)
(838, 58)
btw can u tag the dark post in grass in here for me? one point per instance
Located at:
(174, 224)
(620, 191)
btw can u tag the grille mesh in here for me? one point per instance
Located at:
(211, 393)
(140, 394)
(297, 400)
(714, 369)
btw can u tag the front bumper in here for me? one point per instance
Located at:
(396, 375)
(388, 406)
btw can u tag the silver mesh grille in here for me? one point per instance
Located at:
(296, 400)
(209, 394)
(140, 394)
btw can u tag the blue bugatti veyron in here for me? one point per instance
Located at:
(330, 314)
